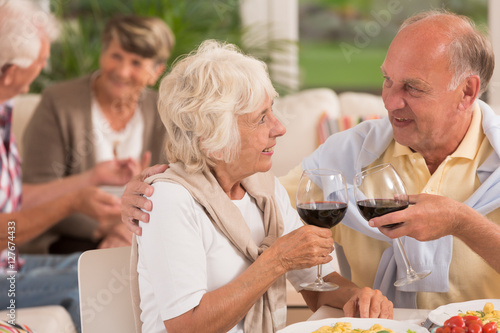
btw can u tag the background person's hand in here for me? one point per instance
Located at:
(118, 236)
(134, 202)
(100, 205)
(145, 162)
(138, 166)
(113, 172)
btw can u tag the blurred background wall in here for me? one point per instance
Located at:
(339, 44)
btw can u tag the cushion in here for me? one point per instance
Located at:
(43, 319)
(356, 104)
(301, 113)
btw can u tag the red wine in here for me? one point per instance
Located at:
(322, 214)
(377, 207)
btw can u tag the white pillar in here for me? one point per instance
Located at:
(272, 27)
(494, 27)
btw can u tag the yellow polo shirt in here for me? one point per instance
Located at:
(456, 178)
(470, 276)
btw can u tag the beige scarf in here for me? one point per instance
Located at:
(268, 314)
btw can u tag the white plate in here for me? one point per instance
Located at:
(444, 312)
(363, 323)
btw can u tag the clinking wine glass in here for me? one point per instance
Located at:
(322, 201)
(379, 191)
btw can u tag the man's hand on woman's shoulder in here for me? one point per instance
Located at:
(135, 205)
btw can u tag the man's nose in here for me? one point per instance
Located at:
(393, 98)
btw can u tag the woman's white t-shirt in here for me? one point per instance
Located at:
(182, 255)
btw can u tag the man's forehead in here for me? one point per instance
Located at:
(412, 58)
(413, 78)
(426, 40)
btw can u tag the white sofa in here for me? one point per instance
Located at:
(43, 319)
(301, 114)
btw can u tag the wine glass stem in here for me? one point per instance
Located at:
(319, 279)
(409, 269)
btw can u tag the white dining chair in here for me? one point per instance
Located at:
(105, 295)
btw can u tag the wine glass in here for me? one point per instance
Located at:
(379, 191)
(321, 201)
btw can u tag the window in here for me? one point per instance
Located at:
(344, 42)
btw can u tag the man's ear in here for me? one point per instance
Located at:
(7, 74)
(470, 91)
(157, 72)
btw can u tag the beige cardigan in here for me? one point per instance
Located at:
(58, 140)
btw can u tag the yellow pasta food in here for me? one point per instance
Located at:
(347, 328)
(488, 314)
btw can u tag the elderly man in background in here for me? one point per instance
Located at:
(25, 35)
(445, 144)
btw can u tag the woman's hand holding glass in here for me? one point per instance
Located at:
(322, 201)
(303, 248)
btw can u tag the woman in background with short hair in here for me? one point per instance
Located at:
(102, 122)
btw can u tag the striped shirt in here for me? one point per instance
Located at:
(10, 181)
(10, 164)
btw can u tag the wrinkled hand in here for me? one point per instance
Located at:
(368, 303)
(100, 205)
(133, 199)
(118, 236)
(305, 247)
(431, 217)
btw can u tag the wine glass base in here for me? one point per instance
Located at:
(319, 286)
(410, 278)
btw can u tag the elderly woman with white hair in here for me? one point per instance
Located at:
(222, 235)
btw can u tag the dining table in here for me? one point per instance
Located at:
(414, 316)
